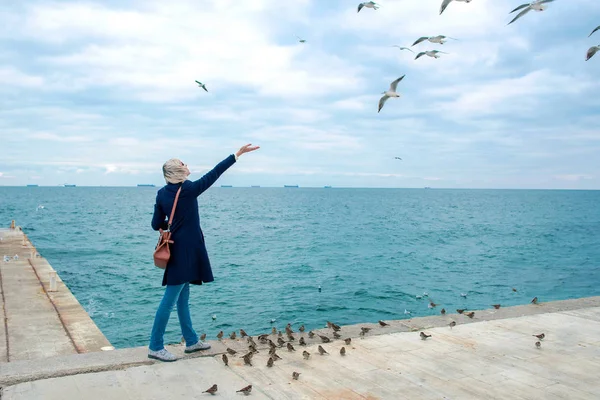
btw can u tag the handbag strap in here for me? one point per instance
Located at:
(173, 210)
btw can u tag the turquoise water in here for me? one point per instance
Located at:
(371, 250)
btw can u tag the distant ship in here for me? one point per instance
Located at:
(226, 185)
(146, 185)
(255, 186)
(291, 186)
(327, 187)
(427, 187)
(69, 185)
(32, 185)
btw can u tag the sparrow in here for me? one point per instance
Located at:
(288, 330)
(272, 344)
(383, 323)
(470, 314)
(290, 347)
(343, 351)
(231, 351)
(301, 329)
(535, 300)
(452, 324)
(335, 327)
(232, 336)
(336, 335)
(275, 356)
(424, 335)
(248, 359)
(461, 311)
(306, 355)
(291, 337)
(251, 341)
(225, 359)
(301, 342)
(212, 389)
(322, 350)
(311, 334)
(348, 341)
(245, 390)
(325, 339)
(280, 342)
(252, 349)
(538, 345)
(541, 336)
(263, 338)
(243, 333)
(279, 334)
(443, 311)
(220, 335)
(270, 362)
(203, 337)
(273, 331)
(295, 375)
(182, 340)
(496, 306)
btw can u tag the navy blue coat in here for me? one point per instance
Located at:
(189, 260)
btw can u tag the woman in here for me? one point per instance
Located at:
(189, 260)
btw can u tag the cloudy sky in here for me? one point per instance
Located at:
(101, 93)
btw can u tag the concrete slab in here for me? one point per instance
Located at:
(493, 359)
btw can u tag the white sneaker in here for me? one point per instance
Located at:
(162, 355)
(200, 345)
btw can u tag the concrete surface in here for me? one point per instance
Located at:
(39, 323)
(491, 359)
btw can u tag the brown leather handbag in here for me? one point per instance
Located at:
(162, 252)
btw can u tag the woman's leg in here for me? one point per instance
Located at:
(185, 320)
(162, 316)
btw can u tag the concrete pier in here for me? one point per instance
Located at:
(39, 321)
(54, 352)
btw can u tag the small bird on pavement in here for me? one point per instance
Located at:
(538, 345)
(243, 333)
(452, 324)
(295, 375)
(343, 351)
(383, 323)
(443, 311)
(460, 311)
(311, 334)
(496, 306)
(424, 335)
(231, 351)
(246, 390)
(322, 350)
(324, 339)
(212, 389)
(220, 335)
(348, 341)
(306, 355)
(541, 336)
(203, 337)
(225, 359)
(302, 342)
(270, 362)
(470, 314)
(290, 347)
(534, 300)
(232, 336)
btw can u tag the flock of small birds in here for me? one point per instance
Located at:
(276, 342)
(536, 5)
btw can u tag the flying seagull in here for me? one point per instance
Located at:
(391, 92)
(301, 40)
(397, 158)
(441, 39)
(591, 51)
(203, 86)
(538, 5)
(403, 48)
(446, 2)
(597, 28)
(430, 53)
(368, 4)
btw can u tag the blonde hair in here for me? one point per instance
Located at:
(174, 171)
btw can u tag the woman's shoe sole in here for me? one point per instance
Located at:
(160, 359)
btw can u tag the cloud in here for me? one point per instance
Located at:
(103, 93)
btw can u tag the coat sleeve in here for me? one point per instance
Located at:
(159, 218)
(211, 177)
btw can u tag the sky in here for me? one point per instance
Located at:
(100, 93)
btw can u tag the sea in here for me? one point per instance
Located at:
(311, 255)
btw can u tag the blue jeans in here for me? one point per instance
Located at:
(174, 294)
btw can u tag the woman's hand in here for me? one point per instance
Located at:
(246, 149)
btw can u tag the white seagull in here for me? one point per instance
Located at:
(391, 92)
(368, 4)
(403, 48)
(446, 2)
(538, 5)
(591, 51)
(202, 85)
(430, 53)
(597, 28)
(440, 39)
